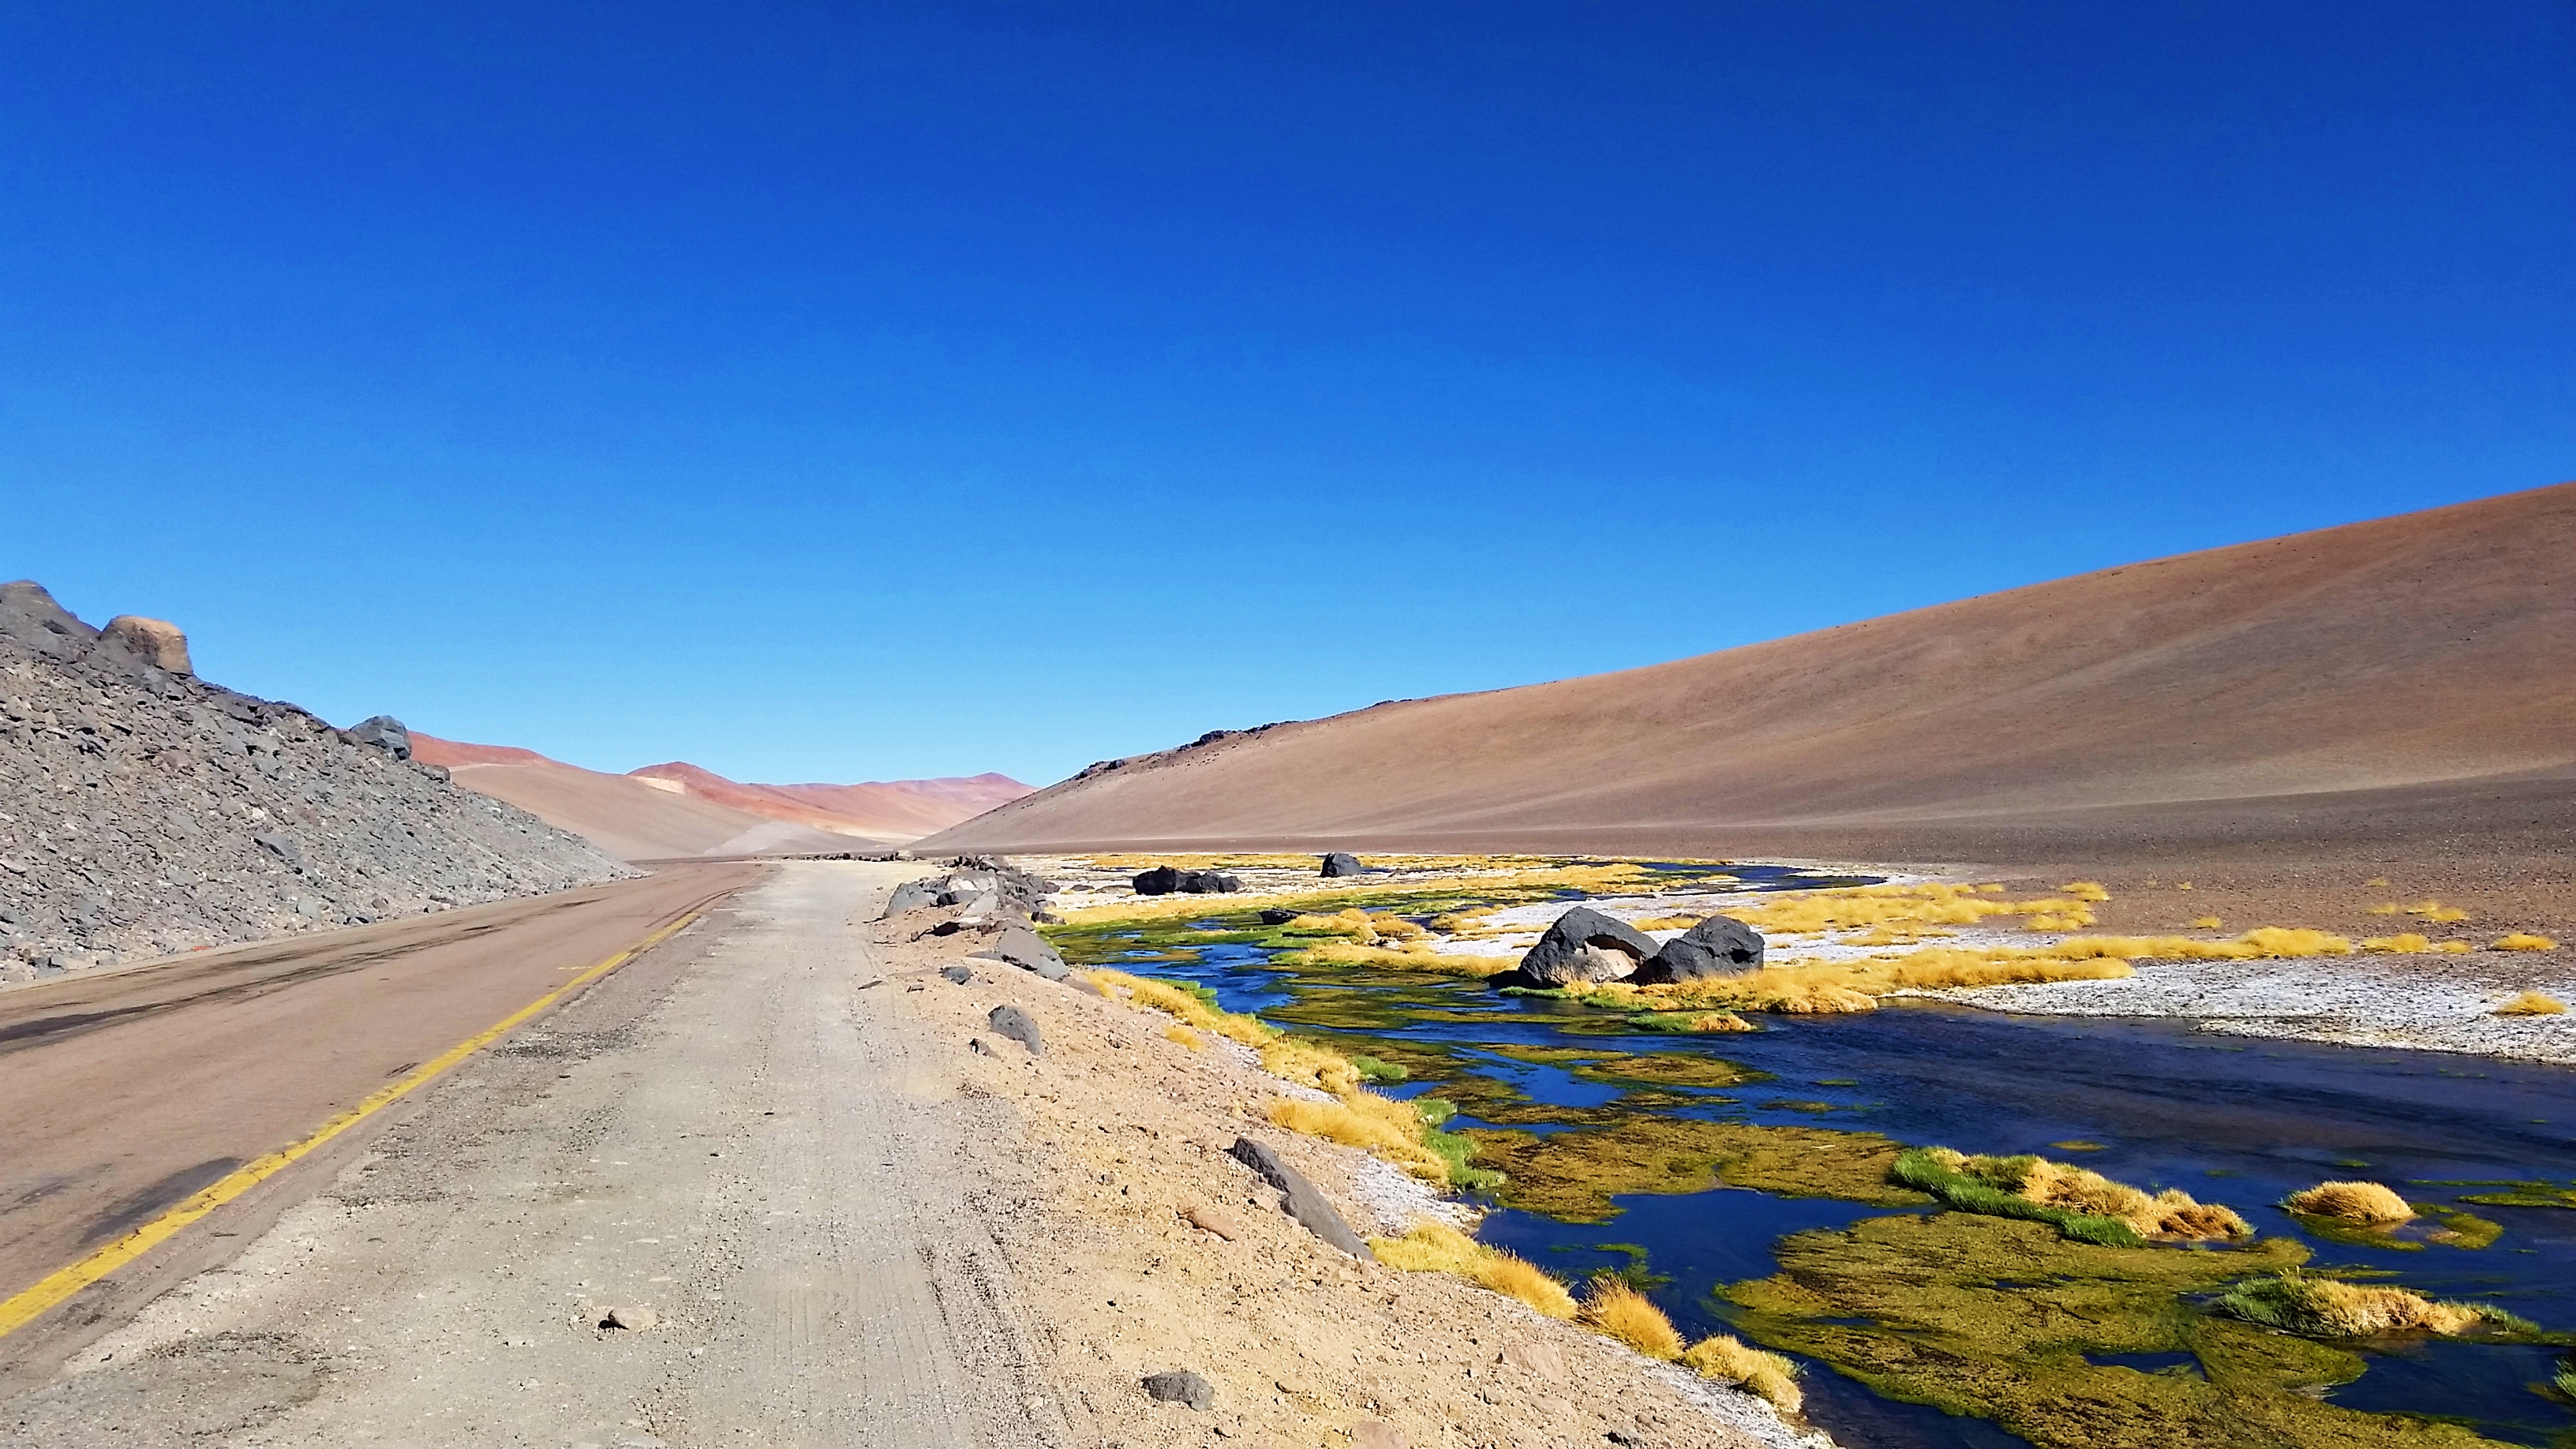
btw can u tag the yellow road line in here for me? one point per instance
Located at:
(28, 1306)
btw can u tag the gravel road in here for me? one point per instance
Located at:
(714, 1145)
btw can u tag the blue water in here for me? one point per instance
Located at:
(2233, 1120)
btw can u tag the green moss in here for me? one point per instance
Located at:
(1993, 1317)
(2450, 1227)
(1573, 1175)
(1662, 1069)
(2524, 1194)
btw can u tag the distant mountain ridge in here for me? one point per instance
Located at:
(2425, 652)
(678, 809)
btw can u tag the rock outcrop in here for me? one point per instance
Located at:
(1586, 945)
(1341, 863)
(144, 811)
(1163, 880)
(1718, 946)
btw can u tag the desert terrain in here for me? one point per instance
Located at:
(366, 1090)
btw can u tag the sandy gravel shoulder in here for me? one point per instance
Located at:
(1122, 1129)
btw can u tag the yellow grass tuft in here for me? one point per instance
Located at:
(1615, 1310)
(2172, 1213)
(2352, 1202)
(1904, 907)
(2326, 1307)
(2182, 885)
(1172, 1001)
(2206, 923)
(2384, 908)
(1378, 1125)
(2525, 941)
(2295, 941)
(1185, 1036)
(2377, 881)
(2436, 911)
(1309, 1065)
(2086, 890)
(2533, 1003)
(1436, 1247)
(2454, 948)
(2404, 943)
(1726, 1358)
(1411, 956)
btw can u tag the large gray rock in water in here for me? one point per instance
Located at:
(1342, 863)
(1718, 946)
(385, 733)
(1586, 945)
(1027, 950)
(1306, 1203)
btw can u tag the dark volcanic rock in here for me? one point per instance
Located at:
(1278, 915)
(1181, 1386)
(1027, 950)
(1307, 1204)
(1163, 880)
(912, 895)
(1718, 946)
(385, 733)
(1342, 863)
(1019, 1026)
(1586, 945)
(148, 812)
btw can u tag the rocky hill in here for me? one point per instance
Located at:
(144, 811)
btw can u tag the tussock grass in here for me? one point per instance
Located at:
(2436, 911)
(2206, 923)
(1905, 907)
(2525, 941)
(1191, 1008)
(1690, 1021)
(1185, 1036)
(1412, 956)
(2083, 1204)
(1436, 1247)
(2350, 1202)
(2315, 1307)
(1366, 927)
(1381, 1126)
(2533, 1003)
(1728, 1359)
(1309, 1065)
(1614, 1310)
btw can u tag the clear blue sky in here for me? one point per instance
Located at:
(824, 392)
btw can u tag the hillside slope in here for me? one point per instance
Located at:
(622, 814)
(891, 810)
(149, 812)
(2410, 654)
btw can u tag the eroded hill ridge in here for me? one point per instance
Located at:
(144, 811)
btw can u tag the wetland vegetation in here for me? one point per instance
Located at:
(1787, 1165)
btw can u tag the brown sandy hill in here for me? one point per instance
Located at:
(2408, 677)
(893, 810)
(621, 814)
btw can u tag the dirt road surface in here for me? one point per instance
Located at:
(710, 1141)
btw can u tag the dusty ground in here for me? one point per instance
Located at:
(842, 1222)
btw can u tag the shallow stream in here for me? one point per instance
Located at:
(2227, 1119)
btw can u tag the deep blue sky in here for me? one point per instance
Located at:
(836, 392)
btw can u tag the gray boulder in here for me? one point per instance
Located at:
(384, 732)
(1164, 880)
(912, 895)
(1026, 949)
(1342, 863)
(1181, 1386)
(1019, 1026)
(1306, 1203)
(1586, 945)
(1718, 946)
